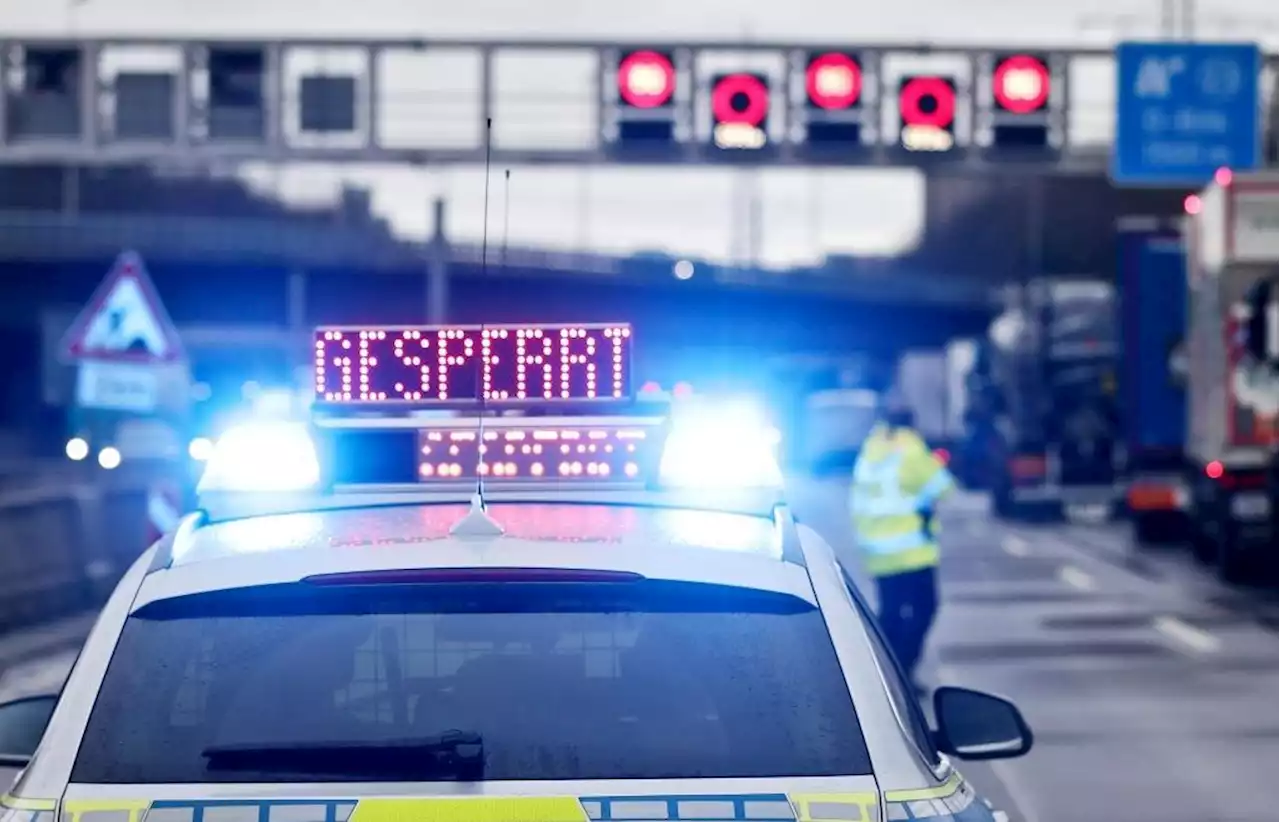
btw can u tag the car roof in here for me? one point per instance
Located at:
(712, 547)
(692, 545)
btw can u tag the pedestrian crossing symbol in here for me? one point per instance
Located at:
(124, 321)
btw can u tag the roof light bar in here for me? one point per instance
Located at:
(363, 448)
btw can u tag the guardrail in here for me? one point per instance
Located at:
(24, 474)
(64, 546)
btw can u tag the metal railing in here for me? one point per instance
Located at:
(64, 546)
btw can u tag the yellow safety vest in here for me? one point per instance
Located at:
(896, 479)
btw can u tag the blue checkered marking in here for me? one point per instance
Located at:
(765, 807)
(335, 810)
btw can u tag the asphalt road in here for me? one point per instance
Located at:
(1152, 688)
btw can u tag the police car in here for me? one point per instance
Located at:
(563, 602)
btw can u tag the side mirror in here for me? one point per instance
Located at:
(976, 725)
(22, 725)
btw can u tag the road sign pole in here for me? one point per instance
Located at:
(1169, 19)
(1016, 295)
(438, 269)
(296, 310)
(1039, 311)
(1035, 226)
(755, 223)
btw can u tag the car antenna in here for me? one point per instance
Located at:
(477, 522)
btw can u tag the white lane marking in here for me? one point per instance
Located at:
(1003, 769)
(1076, 578)
(1014, 546)
(1188, 635)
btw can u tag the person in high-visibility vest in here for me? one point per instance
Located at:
(897, 484)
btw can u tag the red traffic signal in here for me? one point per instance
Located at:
(1020, 84)
(646, 79)
(740, 100)
(833, 81)
(927, 102)
(927, 110)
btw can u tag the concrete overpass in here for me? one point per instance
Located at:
(1002, 229)
(207, 237)
(245, 277)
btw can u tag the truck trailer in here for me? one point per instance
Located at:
(1046, 378)
(1232, 238)
(1153, 402)
(969, 441)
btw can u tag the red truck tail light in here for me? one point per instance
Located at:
(1028, 466)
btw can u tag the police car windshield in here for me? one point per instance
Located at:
(570, 681)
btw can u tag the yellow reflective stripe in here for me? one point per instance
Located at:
(829, 807)
(883, 546)
(73, 809)
(872, 507)
(902, 561)
(20, 803)
(948, 801)
(477, 809)
(944, 790)
(870, 528)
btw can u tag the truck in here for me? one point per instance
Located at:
(968, 443)
(921, 385)
(1153, 402)
(1231, 474)
(1046, 388)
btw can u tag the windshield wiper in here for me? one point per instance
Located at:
(460, 753)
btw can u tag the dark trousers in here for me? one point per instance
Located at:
(908, 604)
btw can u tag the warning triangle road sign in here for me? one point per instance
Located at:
(124, 321)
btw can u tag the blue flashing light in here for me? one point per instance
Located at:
(200, 449)
(262, 457)
(727, 446)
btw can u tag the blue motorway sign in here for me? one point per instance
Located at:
(1185, 110)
